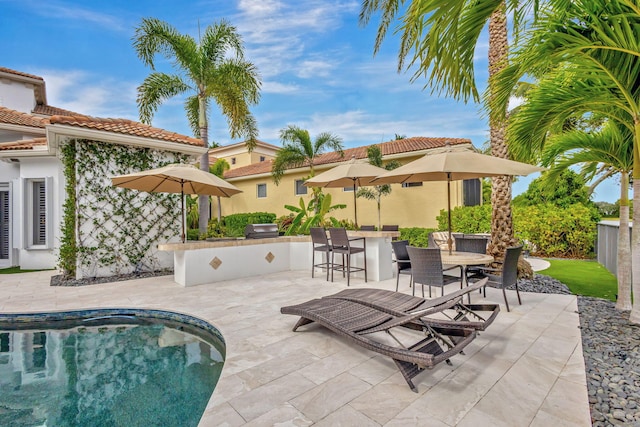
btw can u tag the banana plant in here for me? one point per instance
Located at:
(307, 217)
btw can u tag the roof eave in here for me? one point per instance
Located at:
(57, 133)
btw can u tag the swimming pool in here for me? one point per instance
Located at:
(107, 367)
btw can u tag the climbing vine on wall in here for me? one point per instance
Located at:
(117, 230)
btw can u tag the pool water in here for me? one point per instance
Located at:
(106, 372)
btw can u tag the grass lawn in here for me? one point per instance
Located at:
(588, 278)
(14, 270)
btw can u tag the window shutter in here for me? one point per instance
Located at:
(4, 225)
(39, 213)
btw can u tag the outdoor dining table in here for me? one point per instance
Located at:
(465, 259)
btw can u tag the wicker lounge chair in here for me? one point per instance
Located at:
(455, 314)
(372, 329)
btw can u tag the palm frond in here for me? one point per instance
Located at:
(154, 90)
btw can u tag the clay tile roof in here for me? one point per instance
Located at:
(14, 117)
(19, 73)
(399, 146)
(26, 144)
(125, 127)
(49, 110)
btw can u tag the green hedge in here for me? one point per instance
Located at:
(235, 223)
(416, 236)
(550, 230)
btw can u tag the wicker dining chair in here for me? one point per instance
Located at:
(403, 263)
(503, 277)
(427, 270)
(320, 243)
(368, 228)
(341, 244)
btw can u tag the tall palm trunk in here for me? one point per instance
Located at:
(624, 248)
(634, 317)
(203, 200)
(502, 235)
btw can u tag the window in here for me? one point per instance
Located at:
(300, 188)
(4, 224)
(262, 191)
(37, 205)
(233, 160)
(348, 189)
(262, 158)
(411, 184)
(471, 192)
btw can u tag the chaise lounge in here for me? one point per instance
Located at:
(365, 325)
(456, 313)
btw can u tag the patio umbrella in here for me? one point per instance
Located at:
(454, 165)
(353, 173)
(177, 178)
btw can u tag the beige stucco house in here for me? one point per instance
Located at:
(412, 205)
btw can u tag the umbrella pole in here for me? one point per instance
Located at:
(182, 208)
(355, 207)
(449, 240)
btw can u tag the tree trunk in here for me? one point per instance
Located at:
(219, 211)
(624, 248)
(203, 201)
(634, 317)
(501, 221)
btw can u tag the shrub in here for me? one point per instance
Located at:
(469, 219)
(558, 232)
(193, 234)
(416, 236)
(553, 231)
(235, 223)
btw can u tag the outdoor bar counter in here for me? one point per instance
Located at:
(201, 262)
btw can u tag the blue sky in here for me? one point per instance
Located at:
(316, 64)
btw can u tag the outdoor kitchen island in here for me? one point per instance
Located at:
(199, 262)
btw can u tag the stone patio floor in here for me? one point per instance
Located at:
(526, 369)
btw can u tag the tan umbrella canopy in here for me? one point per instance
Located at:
(177, 178)
(454, 165)
(355, 173)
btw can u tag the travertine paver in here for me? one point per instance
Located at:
(526, 369)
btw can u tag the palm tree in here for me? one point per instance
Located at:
(589, 55)
(218, 169)
(443, 35)
(605, 152)
(212, 69)
(376, 192)
(298, 150)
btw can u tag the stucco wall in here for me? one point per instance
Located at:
(38, 168)
(17, 96)
(407, 207)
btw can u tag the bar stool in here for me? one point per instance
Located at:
(341, 244)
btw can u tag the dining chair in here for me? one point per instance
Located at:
(320, 243)
(427, 270)
(368, 227)
(503, 277)
(403, 263)
(341, 244)
(475, 244)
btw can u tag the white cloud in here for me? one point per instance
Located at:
(90, 94)
(74, 12)
(277, 87)
(314, 68)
